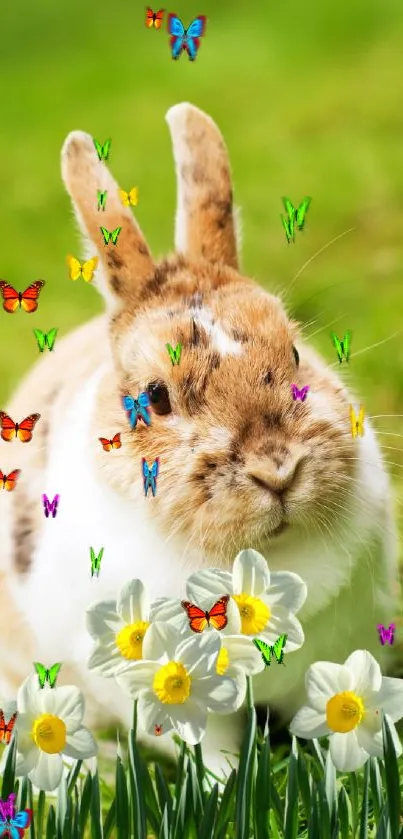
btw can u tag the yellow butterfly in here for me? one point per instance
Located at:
(357, 423)
(131, 197)
(79, 269)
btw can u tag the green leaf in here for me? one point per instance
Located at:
(291, 806)
(95, 809)
(354, 801)
(210, 814)
(363, 834)
(32, 828)
(262, 800)
(22, 797)
(392, 779)
(382, 832)
(323, 809)
(304, 783)
(110, 820)
(73, 775)
(245, 779)
(40, 813)
(164, 793)
(343, 809)
(331, 787)
(61, 810)
(200, 770)
(85, 804)
(137, 790)
(314, 824)
(51, 823)
(180, 813)
(227, 799)
(376, 789)
(122, 802)
(7, 786)
(164, 831)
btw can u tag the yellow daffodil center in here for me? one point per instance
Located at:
(222, 661)
(172, 683)
(130, 640)
(49, 734)
(344, 711)
(255, 615)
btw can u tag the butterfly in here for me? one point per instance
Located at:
(267, 651)
(45, 339)
(174, 354)
(137, 409)
(22, 430)
(386, 634)
(131, 197)
(6, 729)
(154, 18)
(110, 235)
(107, 445)
(300, 394)
(9, 481)
(50, 507)
(199, 619)
(158, 730)
(102, 150)
(13, 828)
(79, 269)
(101, 197)
(296, 216)
(26, 300)
(186, 39)
(96, 561)
(150, 475)
(342, 347)
(45, 675)
(357, 423)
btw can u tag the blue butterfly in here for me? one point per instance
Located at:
(150, 475)
(137, 409)
(13, 827)
(186, 39)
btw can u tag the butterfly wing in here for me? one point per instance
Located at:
(177, 30)
(145, 468)
(8, 728)
(144, 399)
(105, 234)
(40, 339)
(88, 269)
(116, 443)
(264, 649)
(41, 672)
(29, 297)
(361, 418)
(75, 267)
(124, 197)
(149, 17)
(8, 428)
(171, 353)
(134, 196)
(304, 392)
(289, 208)
(155, 467)
(218, 613)
(53, 673)
(26, 428)
(197, 618)
(347, 344)
(106, 444)
(294, 391)
(22, 820)
(193, 35)
(98, 148)
(106, 149)
(338, 346)
(10, 480)
(46, 505)
(115, 234)
(288, 225)
(353, 421)
(302, 211)
(11, 298)
(50, 338)
(158, 18)
(178, 353)
(278, 646)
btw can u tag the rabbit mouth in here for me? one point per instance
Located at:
(280, 529)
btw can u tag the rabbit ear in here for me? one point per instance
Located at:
(204, 219)
(127, 265)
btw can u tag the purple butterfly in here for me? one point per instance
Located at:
(50, 506)
(386, 634)
(300, 394)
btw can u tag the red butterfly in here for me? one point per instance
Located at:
(154, 18)
(158, 730)
(9, 481)
(26, 300)
(6, 730)
(23, 430)
(216, 617)
(107, 445)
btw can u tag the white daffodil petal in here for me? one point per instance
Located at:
(370, 742)
(366, 672)
(152, 712)
(169, 610)
(133, 603)
(102, 618)
(66, 702)
(308, 724)
(390, 697)
(28, 696)
(9, 707)
(106, 659)
(139, 676)
(189, 720)
(218, 693)
(48, 772)
(283, 623)
(323, 680)
(237, 675)
(208, 586)
(161, 639)
(345, 752)
(199, 654)
(243, 654)
(250, 573)
(26, 762)
(288, 590)
(80, 745)
(24, 727)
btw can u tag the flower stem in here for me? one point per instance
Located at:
(200, 770)
(249, 693)
(134, 725)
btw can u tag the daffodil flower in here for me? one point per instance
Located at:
(177, 683)
(237, 659)
(49, 727)
(346, 702)
(118, 629)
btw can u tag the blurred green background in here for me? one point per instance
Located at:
(309, 99)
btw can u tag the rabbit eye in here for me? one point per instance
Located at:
(268, 378)
(296, 356)
(159, 398)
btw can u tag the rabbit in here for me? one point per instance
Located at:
(241, 463)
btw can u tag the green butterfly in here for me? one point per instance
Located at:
(110, 235)
(45, 339)
(45, 675)
(296, 216)
(102, 150)
(102, 199)
(342, 347)
(174, 354)
(96, 561)
(276, 650)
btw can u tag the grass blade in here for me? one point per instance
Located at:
(376, 789)
(85, 804)
(392, 780)
(40, 813)
(304, 783)
(73, 775)
(110, 820)
(331, 788)
(164, 793)
(95, 809)
(137, 790)
(51, 823)
(344, 818)
(225, 806)
(262, 800)
(245, 779)
(122, 802)
(363, 833)
(7, 786)
(210, 814)
(291, 805)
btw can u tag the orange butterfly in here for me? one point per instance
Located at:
(22, 430)
(6, 730)
(9, 481)
(216, 617)
(158, 730)
(26, 300)
(154, 18)
(107, 445)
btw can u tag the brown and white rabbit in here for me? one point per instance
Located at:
(241, 464)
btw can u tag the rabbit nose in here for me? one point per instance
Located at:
(275, 473)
